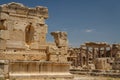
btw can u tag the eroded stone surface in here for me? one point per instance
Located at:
(24, 48)
(95, 56)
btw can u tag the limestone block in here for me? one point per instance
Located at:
(54, 58)
(45, 29)
(60, 38)
(4, 16)
(1, 69)
(4, 8)
(38, 30)
(42, 11)
(91, 66)
(58, 58)
(41, 56)
(4, 34)
(20, 24)
(22, 10)
(102, 64)
(9, 24)
(14, 8)
(116, 66)
(42, 39)
(63, 50)
(62, 58)
(34, 45)
(53, 49)
(40, 20)
(17, 35)
(18, 8)
(15, 44)
(2, 44)
(117, 55)
(41, 28)
(6, 69)
(36, 38)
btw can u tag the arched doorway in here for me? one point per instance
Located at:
(29, 34)
(2, 27)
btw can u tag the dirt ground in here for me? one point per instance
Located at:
(88, 77)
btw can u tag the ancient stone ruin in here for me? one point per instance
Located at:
(24, 52)
(96, 57)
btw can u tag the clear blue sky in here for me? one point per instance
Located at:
(84, 20)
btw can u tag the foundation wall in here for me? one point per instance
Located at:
(37, 70)
(37, 67)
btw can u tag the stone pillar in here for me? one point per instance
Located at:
(6, 69)
(93, 52)
(111, 52)
(81, 60)
(61, 41)
(87, 56)
(104, 51)
(47, 54)
(99, 53)
(77, 59)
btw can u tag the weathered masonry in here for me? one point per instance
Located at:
(24, 51)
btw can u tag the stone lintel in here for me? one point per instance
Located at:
(96, 44)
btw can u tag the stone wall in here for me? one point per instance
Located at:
(24, 47)
(39, 70)
(22, 26)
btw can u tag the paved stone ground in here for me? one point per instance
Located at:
(88, 77)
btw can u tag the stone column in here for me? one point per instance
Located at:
(81, 60)
(47, 54)
(87, 56)
(111, 52)
(6, 69)
(93, 52)
(104, 51)
(99, 53)
(78, 59)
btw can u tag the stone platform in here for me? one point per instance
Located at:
(38, 70)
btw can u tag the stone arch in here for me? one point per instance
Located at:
(29, 34)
